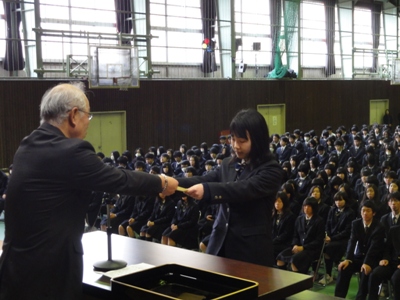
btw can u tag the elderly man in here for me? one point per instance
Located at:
(54, 172)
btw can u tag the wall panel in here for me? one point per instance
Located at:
(171, 112)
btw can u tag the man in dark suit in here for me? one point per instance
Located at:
(363, 252)
(54, 173)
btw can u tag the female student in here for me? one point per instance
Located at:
(245, 186)
(282, 223)
(338, 228)
(307, 240)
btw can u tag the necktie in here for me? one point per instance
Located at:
(366, 229)
(394, 221)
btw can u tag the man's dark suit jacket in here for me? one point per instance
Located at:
(242, 229)
(47, 200)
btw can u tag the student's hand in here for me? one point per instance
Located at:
(343, 265)
(297, 249)
(131, 220)
(150, 223)
(366, 268)
(327, 239)
(383, 262)
(174, 227)
(112, 215)
(196, 191)
(209, 217)
(171, 187)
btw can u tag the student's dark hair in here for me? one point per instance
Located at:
(370, 205)
(311, 201)
(116, 154)
(251, 121)
(395, 195)
(140, 164)
(165, 154)
(341, 196)
(155, 169)
(322, 174)
(177, 154)
(321, 190)
(285, 201)
(289, 189)
(168, 166)
(128, 155)
(191, 170)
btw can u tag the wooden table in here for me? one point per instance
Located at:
(273, 283)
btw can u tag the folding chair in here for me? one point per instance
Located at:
(319, 261)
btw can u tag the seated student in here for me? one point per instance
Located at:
(155, 170)
(307, 240)
(303, 181)
(390, 156)
(141, 212)
(341, 153)
(361, 184)
(209, 166)
(164, 158)
(389, 266)
(372, 194)
(183, 166)
(341, 172)
(160, 218)
(392, 218)
(284, 151)
(150, 161)
(289, 188)
(190, 172)
(364, 250)
(219, 159)
(287, 174)
(332, 189)
(206, 222)
(350, 201)
(383, 188)
(317, 193)
(314, 167)
(294, 163)
(322, 156)
(352, 174)
(183, 229)
(176, 164)
(338, 228)
(167, 169)
(195, 164)
(120, 211)
(282, 223)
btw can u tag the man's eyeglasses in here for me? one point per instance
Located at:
(90, 116)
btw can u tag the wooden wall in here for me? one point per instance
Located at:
(171, 112)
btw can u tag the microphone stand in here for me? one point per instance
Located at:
(109, 264)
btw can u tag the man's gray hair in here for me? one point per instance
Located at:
(59, 100)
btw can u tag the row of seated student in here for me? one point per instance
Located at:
(369, 244)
